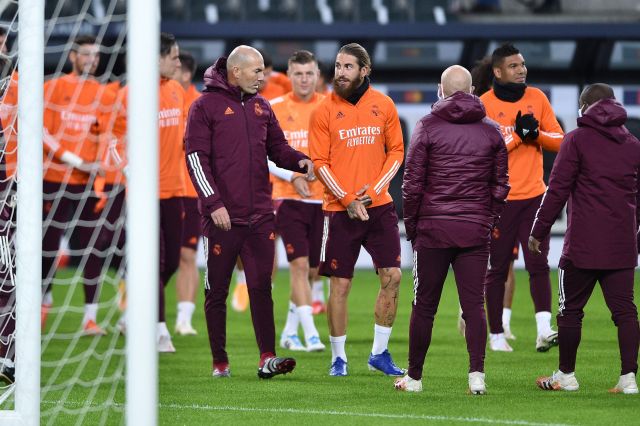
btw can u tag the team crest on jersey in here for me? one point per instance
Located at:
(339, 114)
(530, 109)
(290, 249)
(334, 264)
(257, 109)
(501, 114)
(175, 98)
(217, 250)
(375, 110)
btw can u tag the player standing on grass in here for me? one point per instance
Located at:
(454, 188)
(299, 202)
(528, 125)
(77, 119)
(356, 144)
(188, 277)
(230, 133)
(598, 172)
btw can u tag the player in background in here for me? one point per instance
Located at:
(596, 174)
(171, 123)
(188, 277)
(355, 141)
(77, 117)
(528, 126)
(299, 202)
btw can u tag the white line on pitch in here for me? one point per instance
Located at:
(331, 413)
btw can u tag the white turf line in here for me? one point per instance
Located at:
(328, 413)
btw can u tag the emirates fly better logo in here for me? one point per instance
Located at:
(365, 135)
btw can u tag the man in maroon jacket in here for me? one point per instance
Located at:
(597, 172)
(454, 189)
(230, 132)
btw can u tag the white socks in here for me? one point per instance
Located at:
(47, 299)
(240, 277)
(317, 291)
(291, 326)
(506, 316)
(543, 323)
(380, 339)
(337, 347)
(185, 312)
(162, 329)
(306, 319)
(90, 313)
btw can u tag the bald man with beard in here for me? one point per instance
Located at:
(454, 189)
(231, 130)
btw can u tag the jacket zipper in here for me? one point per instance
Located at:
(246, 126)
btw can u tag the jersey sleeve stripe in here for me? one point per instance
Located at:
(194, 161)
(387, 177)
(331, 183)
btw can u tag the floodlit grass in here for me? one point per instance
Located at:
(190, 396)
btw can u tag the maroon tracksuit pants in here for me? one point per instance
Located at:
(255, 246)
(430, 268)
(171, 215)
(70, 206)
(514, 227)
(575, 288)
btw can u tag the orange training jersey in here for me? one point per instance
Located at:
(190, 95)
(171, 122)
(115, 157)
(293, 115)
(356, 145)
(77, 113)
(9, 119)
(525, 159)
(276, 85)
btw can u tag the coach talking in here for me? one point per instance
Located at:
(454, 188)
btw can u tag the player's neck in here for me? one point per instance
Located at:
(303, 99)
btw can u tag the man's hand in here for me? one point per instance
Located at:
(221, 219)
(534, 245)
(308, 164)
(364, 199)
(357, 210)
(302, 187)
(527, 127)
(91, 168)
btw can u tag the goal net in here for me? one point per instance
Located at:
(83, 352)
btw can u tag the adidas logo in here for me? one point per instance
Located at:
(340, 115)
(228, 111)
(501, 115)
(290, 119)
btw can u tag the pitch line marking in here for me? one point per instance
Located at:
(330, 413)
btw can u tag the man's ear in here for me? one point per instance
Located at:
(473, 89)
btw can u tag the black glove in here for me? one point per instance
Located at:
(527, 127)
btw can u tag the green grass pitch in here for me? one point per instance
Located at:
(190, 396)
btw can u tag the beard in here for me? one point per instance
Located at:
(346, 91)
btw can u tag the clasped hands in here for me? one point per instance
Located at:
(357, 209)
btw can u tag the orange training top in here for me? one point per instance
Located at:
(9, 119)
(190, 95)
(293, 114)
(172, 116)
(356, 145)
(525, 159)
(277, 84)
(115, 157)
(77, 113)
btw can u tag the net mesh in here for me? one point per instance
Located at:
(82, 374)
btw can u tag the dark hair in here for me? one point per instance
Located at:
(266, 58)
(360, 53)
(504, 51)
(302, 57)
(325, 71)
(81, 40)
(3, 31)
(167, 41)
(188, 62)
(482, 76)
(596, 92)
